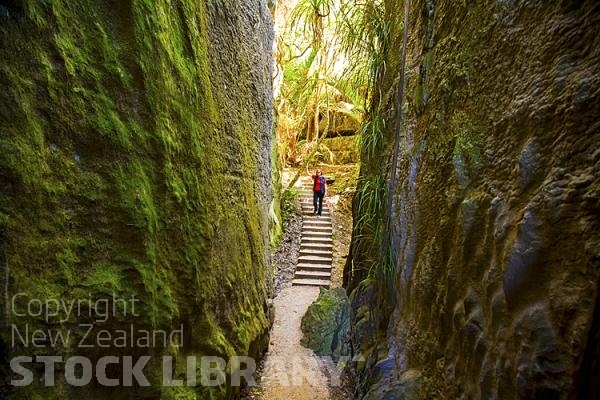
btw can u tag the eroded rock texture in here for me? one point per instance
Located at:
(135, 142)
(493, 282)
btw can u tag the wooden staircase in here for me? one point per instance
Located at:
(314, 261)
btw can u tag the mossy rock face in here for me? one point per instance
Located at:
(135, 147)
(492, 264)
(388, 386)
(326, 324)
(344, 149)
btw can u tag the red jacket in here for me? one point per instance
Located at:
(319, 183)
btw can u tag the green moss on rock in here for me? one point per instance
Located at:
(492, 226)
(326, 324)
(115, 130)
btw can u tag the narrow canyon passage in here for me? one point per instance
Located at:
(157, 164)
(291, 371)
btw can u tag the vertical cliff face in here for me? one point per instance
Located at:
(135, 144)
(493, 279)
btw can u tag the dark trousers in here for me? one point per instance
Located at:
(318, 196)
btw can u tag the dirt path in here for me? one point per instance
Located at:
(291, 371)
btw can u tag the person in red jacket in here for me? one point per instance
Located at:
(319, 184)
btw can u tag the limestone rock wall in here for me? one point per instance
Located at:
(343, 148)
(494, 273)
(135, 145)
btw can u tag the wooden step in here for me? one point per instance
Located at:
(314, 218)
(311, 207)
(319, 234)
(314, 259)
(306, 205)
(323, 209)
(315, 252)
(308, 199)
(313, 267)
(311, 233)
(318, 228)
(320, 252)
(316, 222)
(315, 240)
(316, 246)
(311, 282)
(312, 275)
(311, 212)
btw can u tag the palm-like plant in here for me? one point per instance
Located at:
(363, 36)
(321, 88)
(314, 94)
